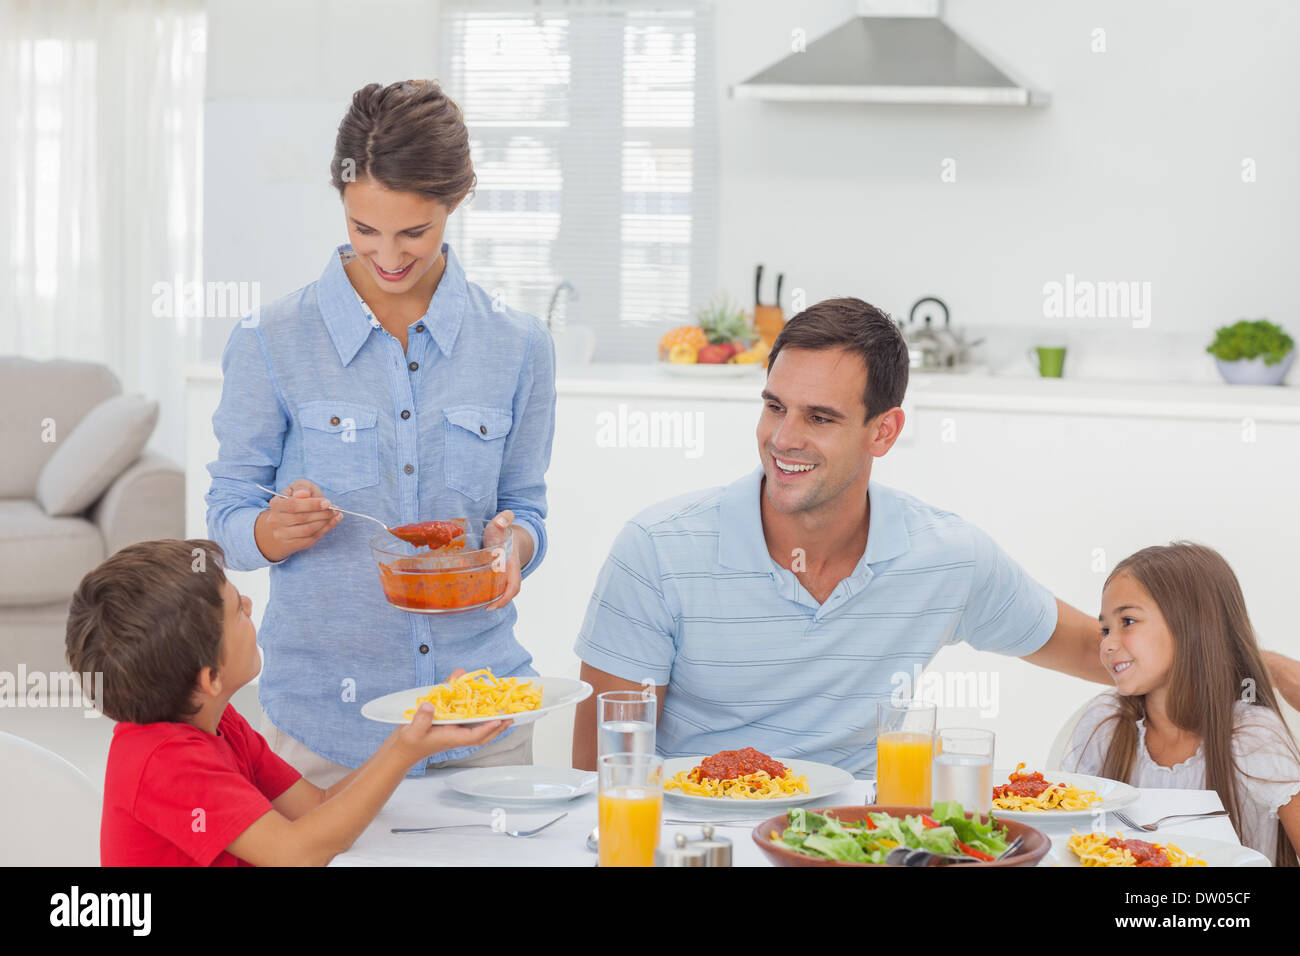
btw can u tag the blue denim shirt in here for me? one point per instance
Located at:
(313, 389)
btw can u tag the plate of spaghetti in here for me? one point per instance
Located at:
(1117, 850)
(1029, 795)
(480, 696)
(749, 774)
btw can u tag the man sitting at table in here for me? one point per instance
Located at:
(773, 612)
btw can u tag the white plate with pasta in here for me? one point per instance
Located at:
(474, 705)
(1077, 797)
(821, 780)
(1194, 848)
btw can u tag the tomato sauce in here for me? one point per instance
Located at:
(408, 584)
(730, 764)
(1146, 854)
(1028, 785)
(431, 534)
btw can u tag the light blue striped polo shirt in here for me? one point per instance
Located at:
(690, 598)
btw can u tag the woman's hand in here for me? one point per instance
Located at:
(494, 535)
(294, 524)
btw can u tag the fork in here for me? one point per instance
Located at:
(903, 856)
(356, 514)
(1134, 825)
(463, 826)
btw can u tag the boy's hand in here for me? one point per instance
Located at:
(420, 739)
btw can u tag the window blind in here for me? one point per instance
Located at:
(592, 127)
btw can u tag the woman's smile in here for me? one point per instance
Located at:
(393, 276)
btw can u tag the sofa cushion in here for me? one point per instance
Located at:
(42, 559)
(43, 402)
(100, 448)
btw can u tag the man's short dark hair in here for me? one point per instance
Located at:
(149, 619)
(860, 328)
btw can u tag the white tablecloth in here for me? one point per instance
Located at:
(428, 801)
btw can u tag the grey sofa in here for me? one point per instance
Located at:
(42, 558)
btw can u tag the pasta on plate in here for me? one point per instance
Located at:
(1031, 792)
(738, 775)
(1097, 849)
(480, 694)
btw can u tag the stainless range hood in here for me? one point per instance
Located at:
(894, 51)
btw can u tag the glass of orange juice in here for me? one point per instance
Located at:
(631, 799)
(904, 751)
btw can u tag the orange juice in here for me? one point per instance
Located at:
(903, 769)
(629, 826)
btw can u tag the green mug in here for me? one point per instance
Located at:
(1048, 359)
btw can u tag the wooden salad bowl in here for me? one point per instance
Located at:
(1031, 851)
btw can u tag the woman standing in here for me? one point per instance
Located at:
(395, 387)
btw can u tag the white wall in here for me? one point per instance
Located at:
(280, 78)
(1133, 171)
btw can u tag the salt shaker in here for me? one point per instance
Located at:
(681, 853)
(716, 849)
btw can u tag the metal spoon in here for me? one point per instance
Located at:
(357, 514)
(593, 839)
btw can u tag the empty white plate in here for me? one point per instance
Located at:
(524, 784)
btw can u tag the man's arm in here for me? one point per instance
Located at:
(584, 721)
(1073, 647)
(1286, 678)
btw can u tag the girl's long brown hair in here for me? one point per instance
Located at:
(1216, 659)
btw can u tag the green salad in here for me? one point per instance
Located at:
(948, 831)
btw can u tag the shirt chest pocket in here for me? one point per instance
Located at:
(474, 442)
(340, 445)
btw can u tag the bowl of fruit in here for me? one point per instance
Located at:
(721, 343)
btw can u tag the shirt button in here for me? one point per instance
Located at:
(424, 648)
(409, 469)
(414, 366)
(420, 327)
(334, 420)
(406, 413)
(482, 429)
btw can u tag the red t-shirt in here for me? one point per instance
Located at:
(175, 795)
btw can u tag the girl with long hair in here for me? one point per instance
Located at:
(1193, 706)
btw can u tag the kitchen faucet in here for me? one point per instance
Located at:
(564, 285)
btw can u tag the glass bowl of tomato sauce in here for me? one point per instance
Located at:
(441, 572)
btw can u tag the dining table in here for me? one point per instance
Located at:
(429, 801)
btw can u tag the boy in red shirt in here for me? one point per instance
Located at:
(189, 782)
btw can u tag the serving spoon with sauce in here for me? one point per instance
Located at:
(431, 534)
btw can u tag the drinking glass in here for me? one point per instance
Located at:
(630, 801)
(904, 752)
(625, 722)
(963, 768)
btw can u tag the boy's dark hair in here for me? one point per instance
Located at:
(149, 619)
(858, 327)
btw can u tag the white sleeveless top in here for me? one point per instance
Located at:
(1268, 766)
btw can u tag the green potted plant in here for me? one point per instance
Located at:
(1252, 352)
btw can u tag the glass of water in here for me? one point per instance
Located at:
(625, 722)
(963, 768)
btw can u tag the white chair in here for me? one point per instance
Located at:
(49, 810)
(1057, 750)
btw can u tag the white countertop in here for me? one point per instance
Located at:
(974, 391)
